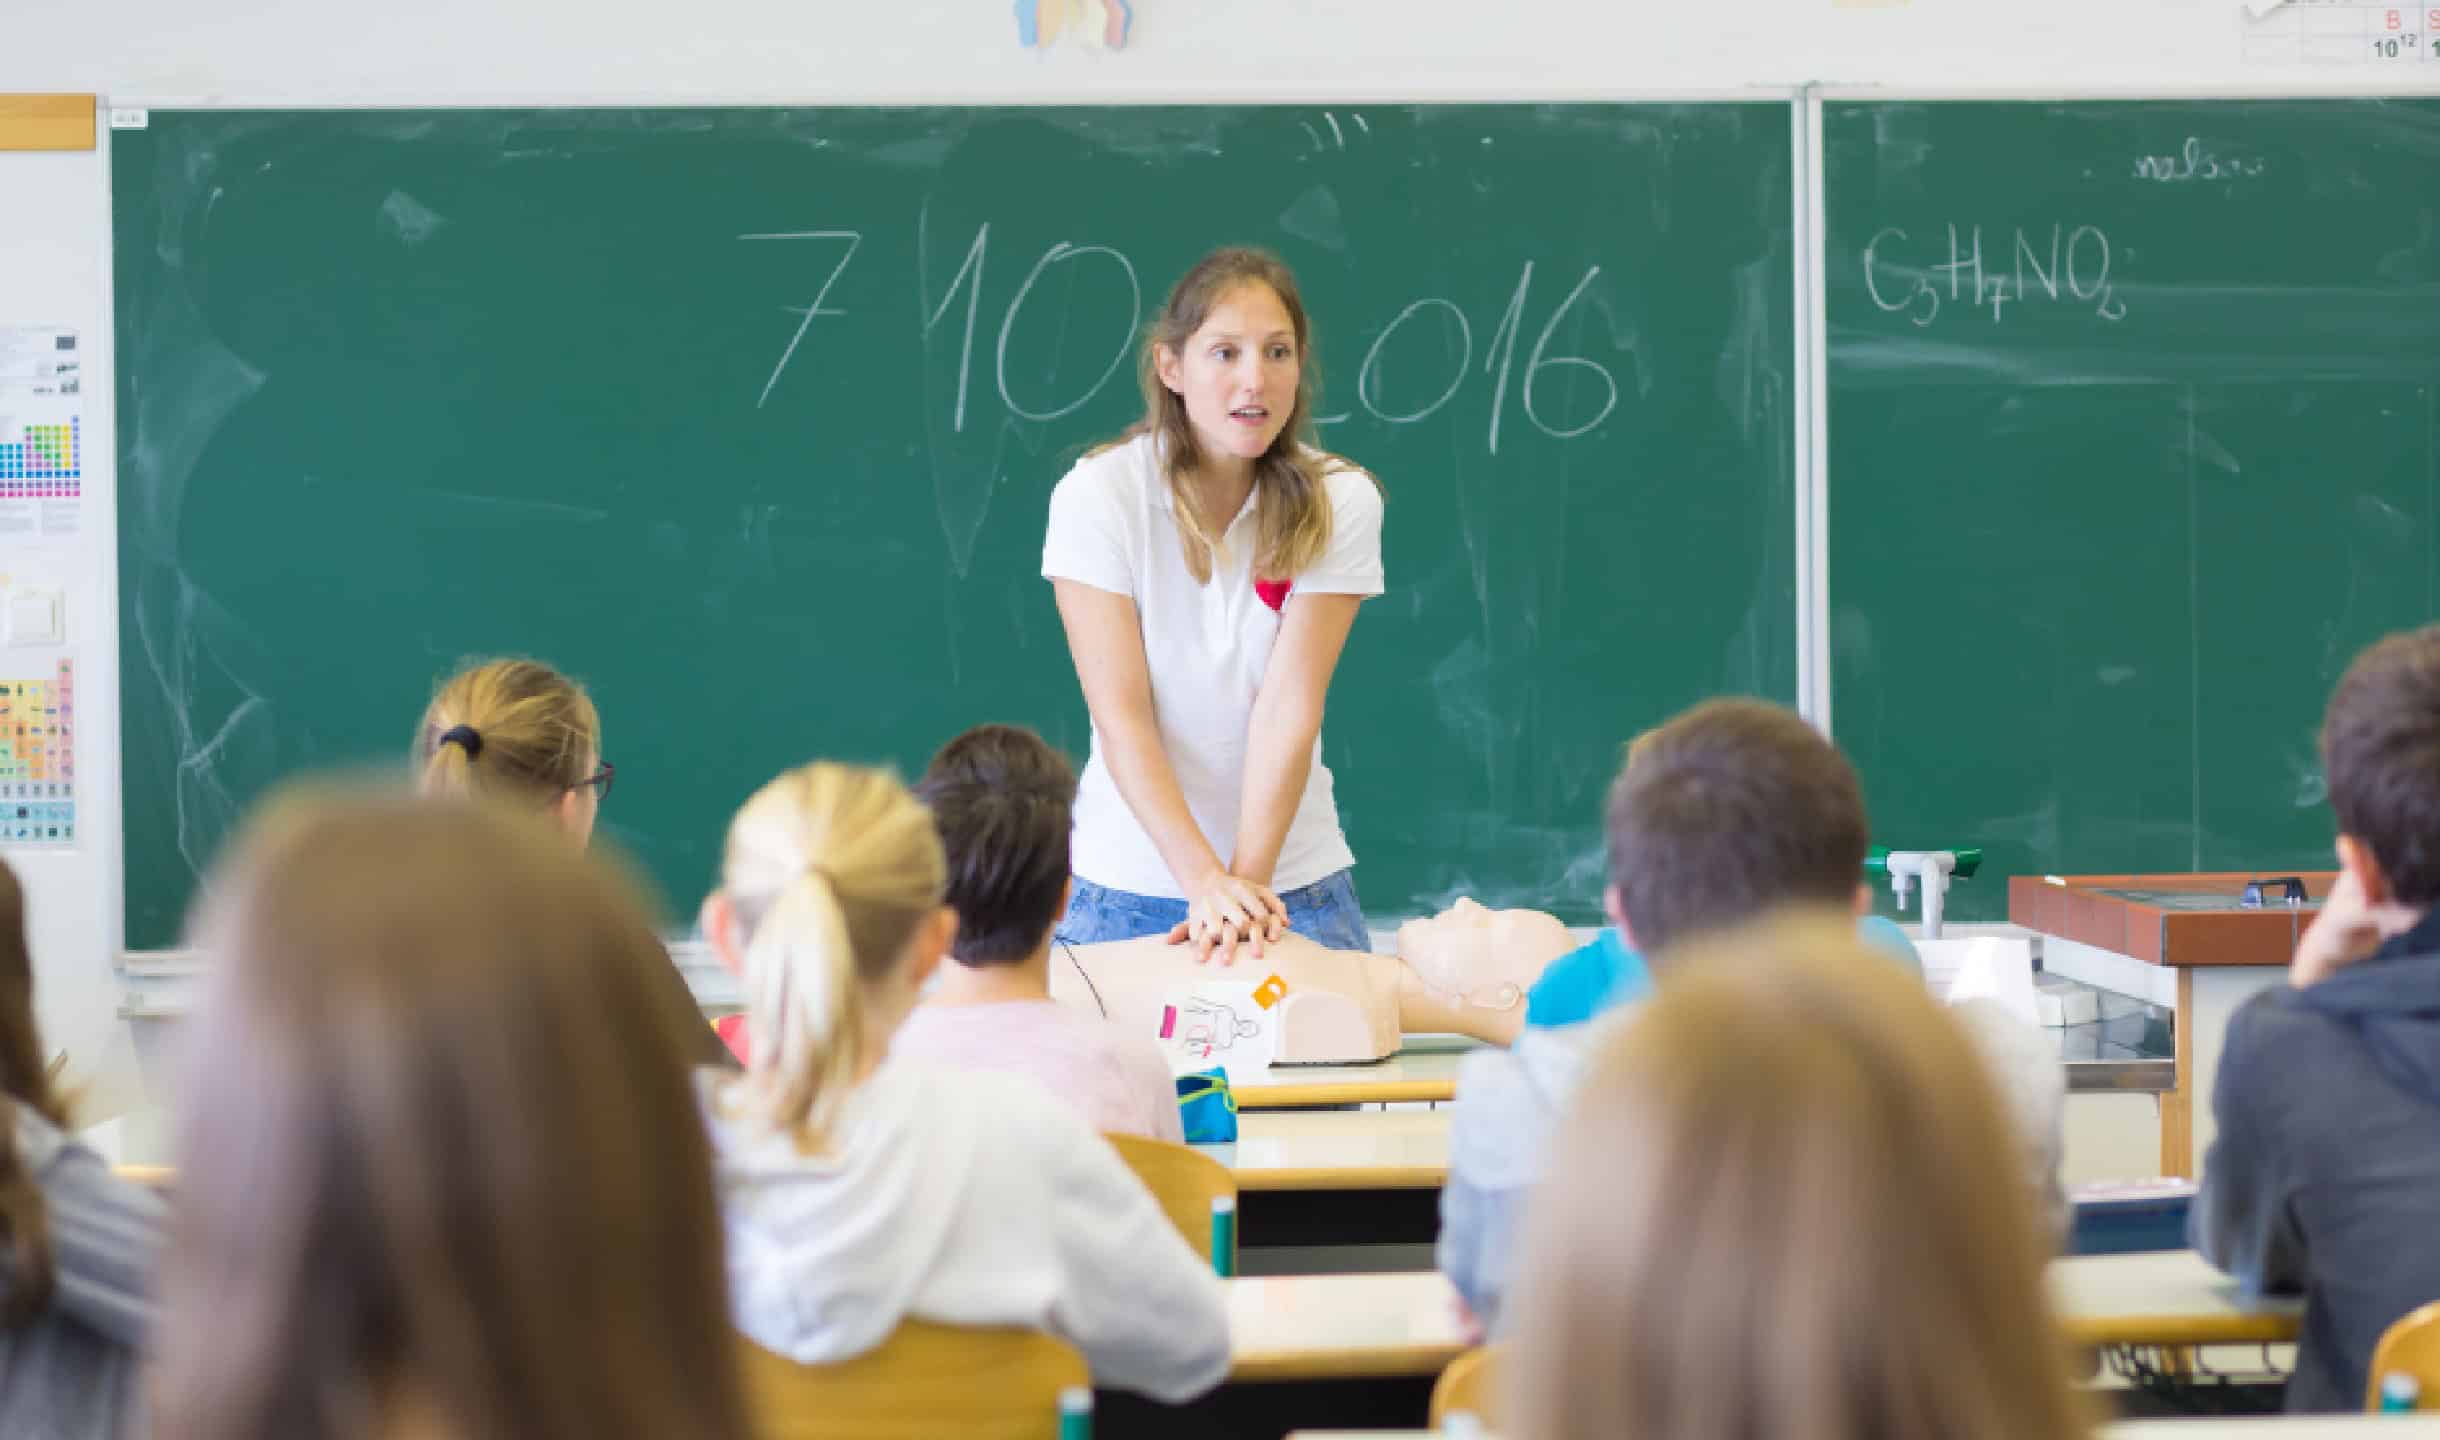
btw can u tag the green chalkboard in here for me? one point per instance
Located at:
(2112, 508)
(750, 417)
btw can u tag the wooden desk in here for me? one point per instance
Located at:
(1425, 1070)
(1299, 1327)
(2167, 1298)
(2175, 940)
(2235, 1427)
(2279, 1427)
(1322, 1327)
(1337, 1189)
(151, 1177)
(1338, 1150)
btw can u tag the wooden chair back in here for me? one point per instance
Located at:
(1186, 1182)
(925, 1381)
(2412, 1347)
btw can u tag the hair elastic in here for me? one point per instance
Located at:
(462, 736)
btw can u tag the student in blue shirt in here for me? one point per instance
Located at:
(1604, 974)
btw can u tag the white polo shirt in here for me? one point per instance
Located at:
(1112, 527)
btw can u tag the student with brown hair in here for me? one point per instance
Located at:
(1785, 1203)
(1731, 809)
(441, 1174)
(2324, 1178)
(521, 733)
(1604, 973)
(1000, 797)
(77, 1245)
(860, 1189)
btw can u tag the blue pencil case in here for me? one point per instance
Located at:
(1207, 1108)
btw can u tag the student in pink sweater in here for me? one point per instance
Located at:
(1002, 799)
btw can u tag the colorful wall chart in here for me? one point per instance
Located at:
(42, 461)
(38, 759)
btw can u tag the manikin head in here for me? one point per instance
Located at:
(1487, 957)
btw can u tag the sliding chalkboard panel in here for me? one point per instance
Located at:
(2132, 416)
(749, 418)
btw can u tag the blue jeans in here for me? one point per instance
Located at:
(1324, 912)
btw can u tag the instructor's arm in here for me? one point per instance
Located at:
(1287, 719)
(1106, 640)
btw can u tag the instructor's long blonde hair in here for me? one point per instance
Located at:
(1784, 1204)
(829, 871)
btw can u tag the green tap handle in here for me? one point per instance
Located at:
(1876, 861)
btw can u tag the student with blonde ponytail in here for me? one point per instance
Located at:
(520, 733)
(861, 1191)
(516, 730)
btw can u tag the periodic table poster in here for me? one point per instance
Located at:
(42, 433)
(38, 758)
(2344, 32)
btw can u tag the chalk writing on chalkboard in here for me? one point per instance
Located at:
(2196, 161)
(2066, 267)
(1456, 334)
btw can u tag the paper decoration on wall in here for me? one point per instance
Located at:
(1099, 24)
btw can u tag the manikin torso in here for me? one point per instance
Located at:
(1465, 969)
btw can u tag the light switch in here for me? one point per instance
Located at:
(34, 618)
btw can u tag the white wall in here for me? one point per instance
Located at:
(323, 52)
(59, 274)
(329, 52)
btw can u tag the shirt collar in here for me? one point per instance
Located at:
(1168, 502)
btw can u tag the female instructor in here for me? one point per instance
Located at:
(1208, 565)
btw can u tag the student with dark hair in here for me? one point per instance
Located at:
(2324, 1178)
(1001, 799)
(77, 1245)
